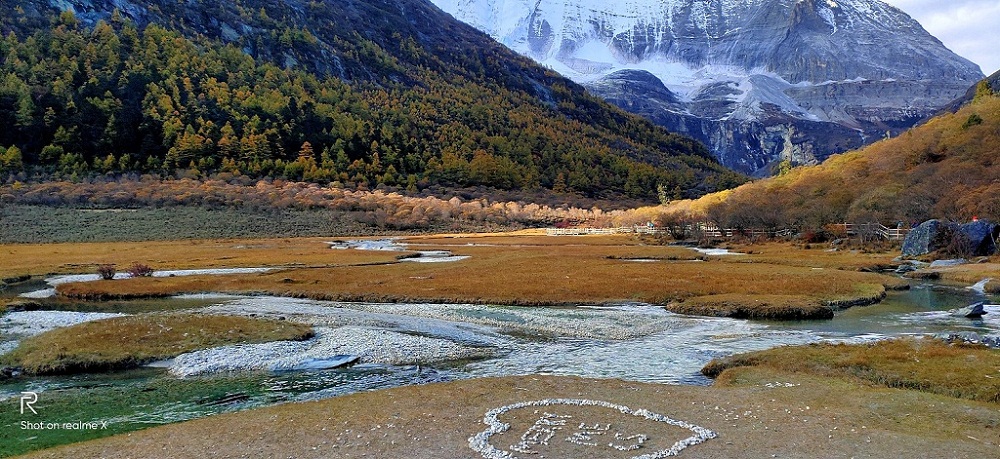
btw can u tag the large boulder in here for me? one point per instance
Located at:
(976, 238)
(927, 237)
(982, 237)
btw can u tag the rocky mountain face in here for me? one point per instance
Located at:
(759, 81)
(990, 83)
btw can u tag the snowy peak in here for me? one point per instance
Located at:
(878, 40)
(861, 64)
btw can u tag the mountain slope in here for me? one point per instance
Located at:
(365, 92)
(945, 168)
(756, 80)
(991, 83)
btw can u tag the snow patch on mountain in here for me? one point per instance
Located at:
(849, 62)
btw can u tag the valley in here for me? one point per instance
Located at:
(491, 306)
(563, 229)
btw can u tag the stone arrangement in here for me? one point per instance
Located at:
(543, 430)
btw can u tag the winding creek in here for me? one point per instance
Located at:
(405, 344)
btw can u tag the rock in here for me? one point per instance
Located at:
(970, 338)
(926, 238)
(907, 268)
(946, 263)
(982, 236)
(9, 373)
(971, 311)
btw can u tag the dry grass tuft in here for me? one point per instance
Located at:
(127, 342)
(960, 371)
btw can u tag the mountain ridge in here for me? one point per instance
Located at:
(768, 70)
(945, 168)
(386, 92)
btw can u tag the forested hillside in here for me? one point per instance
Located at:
(362, 93)
(947, 168)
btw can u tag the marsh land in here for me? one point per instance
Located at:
(447, 327)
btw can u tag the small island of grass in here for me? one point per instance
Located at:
(128, 342)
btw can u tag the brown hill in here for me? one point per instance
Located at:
(946, 168)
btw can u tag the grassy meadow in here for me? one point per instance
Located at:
(33, 224)
(962, 371)
(525, 268)
(849, 400)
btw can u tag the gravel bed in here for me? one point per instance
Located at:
(7, 346)
(31, 323)
(332, 315)
(608, 324)
(466, 321)
(370, 345)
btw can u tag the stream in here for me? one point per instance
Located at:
(406, 344)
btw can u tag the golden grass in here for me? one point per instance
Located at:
(531, 270)
(796, 307)
(42, 259)
(816, 257)
(125, 342)
(961, 371)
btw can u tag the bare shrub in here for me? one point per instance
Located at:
(953, 243)
(106, 271)
(140, 270)
(676, 224)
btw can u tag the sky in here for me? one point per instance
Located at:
(970, 28)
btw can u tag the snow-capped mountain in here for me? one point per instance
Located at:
(757, 80)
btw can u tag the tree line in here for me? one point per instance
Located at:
(114, 98)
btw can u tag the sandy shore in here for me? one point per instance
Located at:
(765, 415)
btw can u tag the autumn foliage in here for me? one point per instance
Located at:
(946, 168)
(79, 102)
(378, 209)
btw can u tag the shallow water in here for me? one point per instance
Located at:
(54, 281)
(630, 341)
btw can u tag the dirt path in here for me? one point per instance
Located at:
(762, 415)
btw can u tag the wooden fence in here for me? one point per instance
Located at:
(873, 230)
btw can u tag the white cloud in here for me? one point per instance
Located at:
(967, 27)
